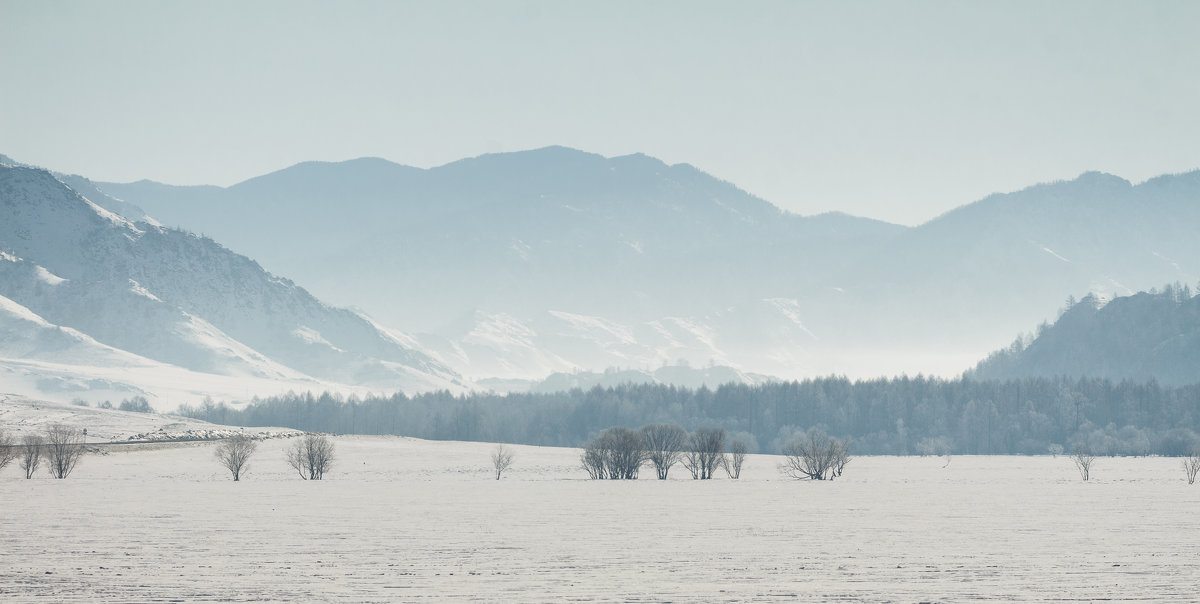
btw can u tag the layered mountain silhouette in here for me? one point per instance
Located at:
(519, 265)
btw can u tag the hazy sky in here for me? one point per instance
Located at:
(895, 110)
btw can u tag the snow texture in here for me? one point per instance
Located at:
(401, 519)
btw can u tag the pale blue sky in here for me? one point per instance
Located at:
(894, 110)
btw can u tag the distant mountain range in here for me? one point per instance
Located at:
(1140, 337)
(522, 265)
(81, 285)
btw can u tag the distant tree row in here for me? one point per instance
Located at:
(310, 455)
(618, 453)
(136, 404)
(899, 416)
(59, 447)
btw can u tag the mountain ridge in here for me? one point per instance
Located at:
(532, 251)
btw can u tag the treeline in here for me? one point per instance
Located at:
(898, 416)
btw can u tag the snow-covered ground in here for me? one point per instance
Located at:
(407, 520)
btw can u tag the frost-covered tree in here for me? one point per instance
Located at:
(311, 456)
(63, 448)
(234, 454)
(815, 456)
(664, 444)
(502, 459)
(616, 454)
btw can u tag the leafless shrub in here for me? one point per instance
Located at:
(31, 453)
(1191, 465)
(502, 459)
(1083, 458)
(593, 460)
(733, 462)
(816, 456)
(664, 444)
(234, 453)
(616, 454)
(691, 460)
(705, 452)
(63, 448)
(311, 456)
(8, 448)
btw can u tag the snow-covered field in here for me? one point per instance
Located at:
(406, 520)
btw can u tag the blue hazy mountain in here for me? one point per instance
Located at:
(1140, 337)
(557, 260)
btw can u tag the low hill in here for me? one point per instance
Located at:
(1146, 336)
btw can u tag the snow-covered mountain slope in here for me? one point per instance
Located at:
(182, 299)
(61, 363)
(23, 415)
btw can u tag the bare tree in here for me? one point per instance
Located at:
(691, 460)
(234, 453)
(1191, 464)
(1083, 458)
(31, 453)
(733, 462)
(616, 454)
(63, 448)
(502, 459)
(593, 460)
(816, 456)
(311, 456)
(706, 451)
(841, 456)
(664, 445)
(8, 448)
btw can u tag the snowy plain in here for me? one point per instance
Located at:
(401, 519)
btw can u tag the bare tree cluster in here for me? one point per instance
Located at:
(28, 453)
(1191, 464)
(311, 456)
(502, 459)
(63, 448)
(619, 452)
(234, 453)
(816, 456)
(616, 454)
(664, 446)
(705, 452)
